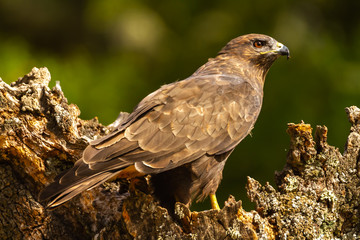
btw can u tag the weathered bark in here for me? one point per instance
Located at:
(41, 135)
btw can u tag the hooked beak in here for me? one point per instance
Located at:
(283, 50)
(280, 49)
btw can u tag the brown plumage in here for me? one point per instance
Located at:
(183, 133)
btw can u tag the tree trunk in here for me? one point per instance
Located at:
(317, 196)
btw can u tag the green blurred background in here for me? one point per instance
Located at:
(110, 54)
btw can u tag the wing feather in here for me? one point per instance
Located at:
(180, 123)
(158, 135)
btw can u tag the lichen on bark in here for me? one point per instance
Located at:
(316, 195)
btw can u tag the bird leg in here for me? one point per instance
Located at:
(214, 202)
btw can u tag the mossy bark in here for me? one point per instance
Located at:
(317, 194)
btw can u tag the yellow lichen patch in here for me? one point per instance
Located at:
(32, 164)
(244, 216)
(194, 216)
(302, 145)
(247, 220)
(300, 128)
(253, 221)
(127, 220)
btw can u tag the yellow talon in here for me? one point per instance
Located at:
(214, 202)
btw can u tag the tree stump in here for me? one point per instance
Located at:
(317, 194)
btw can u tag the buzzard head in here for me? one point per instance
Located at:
(257, 51)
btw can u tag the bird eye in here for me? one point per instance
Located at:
(259, 44)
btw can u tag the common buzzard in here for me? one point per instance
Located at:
(183, 133)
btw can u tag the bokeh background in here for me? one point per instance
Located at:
(109, 54)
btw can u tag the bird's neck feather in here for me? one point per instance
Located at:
(233, 66)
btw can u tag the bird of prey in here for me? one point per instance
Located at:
(183, 133)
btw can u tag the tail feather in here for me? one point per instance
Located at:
(69, 184)
(67, 193)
